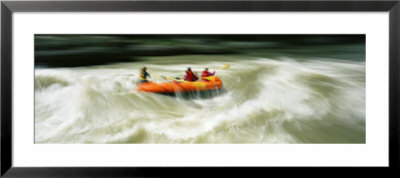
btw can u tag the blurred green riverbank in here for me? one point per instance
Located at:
(86, 50)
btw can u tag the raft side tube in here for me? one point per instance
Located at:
(175, 86)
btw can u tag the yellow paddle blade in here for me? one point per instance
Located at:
(226, 66)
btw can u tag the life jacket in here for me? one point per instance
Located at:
(143, 75)
(204, 74)
(190, 76)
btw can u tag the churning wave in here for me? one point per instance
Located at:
(263, 101)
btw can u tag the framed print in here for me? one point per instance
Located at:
(156, 88)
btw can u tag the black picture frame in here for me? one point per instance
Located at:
(8, 7)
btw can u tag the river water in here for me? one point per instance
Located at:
(277, 99)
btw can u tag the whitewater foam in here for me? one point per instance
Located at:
(265, 101)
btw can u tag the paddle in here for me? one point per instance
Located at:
(157, 75)
(166, 77)
(226, 66)
(174, 79)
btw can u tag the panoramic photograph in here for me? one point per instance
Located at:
(199, 89)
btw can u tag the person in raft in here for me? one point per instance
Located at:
(143, 75)
(190, 76)
(206, 74)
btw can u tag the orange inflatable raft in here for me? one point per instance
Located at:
(213, 83)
